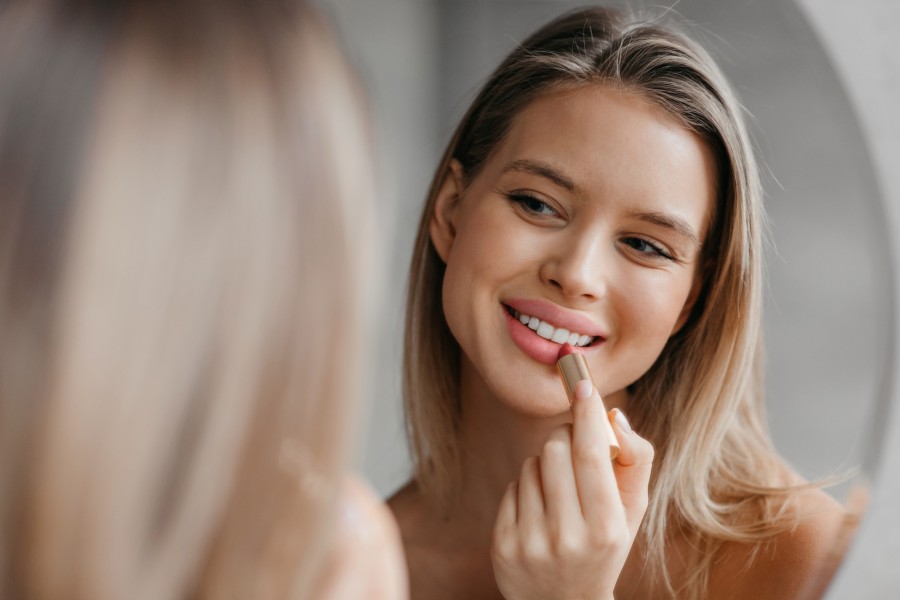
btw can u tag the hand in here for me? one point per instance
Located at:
(565, 528)
(367, 559)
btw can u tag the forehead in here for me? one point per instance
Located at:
(616, 145)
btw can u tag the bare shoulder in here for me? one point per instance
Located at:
(366, 557)
(405, 496)
(409, 511)
(797, 563)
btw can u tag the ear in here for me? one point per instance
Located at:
(696, 288)
(443, 220)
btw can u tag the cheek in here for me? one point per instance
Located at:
(452, 299)
(488, 254)
(654, 306)
(487, 249)
(646, 315)
(469, 267)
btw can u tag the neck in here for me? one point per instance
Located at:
(494, 440)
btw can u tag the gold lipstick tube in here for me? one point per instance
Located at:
(572, 369)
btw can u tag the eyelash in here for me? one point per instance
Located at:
(656, 248)
(523, 200)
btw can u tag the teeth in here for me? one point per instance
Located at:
(560, 336)
(547, 331)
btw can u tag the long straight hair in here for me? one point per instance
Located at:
(717, 477)
(182, 214)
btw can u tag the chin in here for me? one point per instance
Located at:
(540, 402)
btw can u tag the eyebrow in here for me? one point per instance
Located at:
(668, 221)
(541, 169)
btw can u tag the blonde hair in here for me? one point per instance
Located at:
(180, 227)
(717, 477)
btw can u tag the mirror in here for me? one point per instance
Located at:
(861, 44)
(829, 319)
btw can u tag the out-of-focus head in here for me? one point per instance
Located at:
(587, 47)
(184, 199)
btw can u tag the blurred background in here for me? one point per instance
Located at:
(829, 313)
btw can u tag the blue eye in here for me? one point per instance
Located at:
(647, 248)
(533, 205)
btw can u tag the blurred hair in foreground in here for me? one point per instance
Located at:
(180, 233)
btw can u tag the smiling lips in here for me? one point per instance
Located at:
(541, 339)
(547, 331)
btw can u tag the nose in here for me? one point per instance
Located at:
(578, 266)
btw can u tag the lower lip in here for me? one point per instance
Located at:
(540, 349)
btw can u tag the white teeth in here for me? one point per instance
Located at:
(547, 331)
(560, 336)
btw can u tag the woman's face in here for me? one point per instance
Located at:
(587, 218)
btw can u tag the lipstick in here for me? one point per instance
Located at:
(572, 369)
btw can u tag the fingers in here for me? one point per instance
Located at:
(632, 468)
(570, 520)
(562, 506)
(530, 507)
(593, 469)
(605, 485)
(507, 513)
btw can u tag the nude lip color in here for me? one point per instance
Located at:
(572, 369)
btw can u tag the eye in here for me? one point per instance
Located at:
(532, 205)
(647, 248)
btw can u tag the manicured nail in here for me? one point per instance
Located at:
(584, 389)
(621, 421)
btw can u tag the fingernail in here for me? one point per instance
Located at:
(621, 421)
(584, 389)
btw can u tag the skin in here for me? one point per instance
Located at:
(366, 557)
(583, 252)
(594, 204)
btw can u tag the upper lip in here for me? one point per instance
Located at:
(557, 316)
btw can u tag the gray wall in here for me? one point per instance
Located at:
(824, 128)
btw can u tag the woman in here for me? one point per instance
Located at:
(175, 375)
(600, 191)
